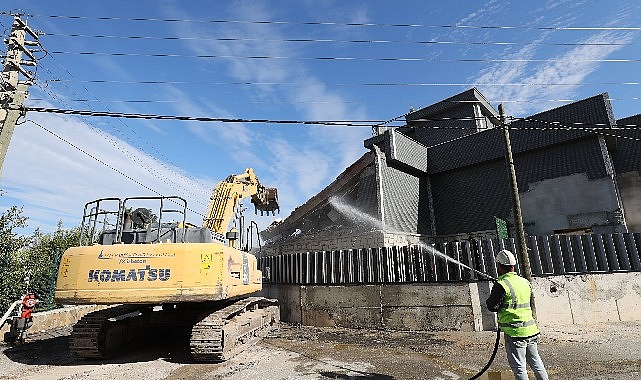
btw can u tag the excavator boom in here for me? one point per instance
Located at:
(226, 195)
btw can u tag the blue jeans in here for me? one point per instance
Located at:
(521, 351)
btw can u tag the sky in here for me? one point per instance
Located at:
(359, 61)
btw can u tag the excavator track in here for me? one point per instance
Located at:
(224, 333)
(102, 333)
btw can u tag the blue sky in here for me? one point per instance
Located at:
(386, 58)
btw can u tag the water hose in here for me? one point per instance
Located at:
(498, 331)
(498, 334)
(489, 363)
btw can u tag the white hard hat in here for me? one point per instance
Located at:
(506, 257)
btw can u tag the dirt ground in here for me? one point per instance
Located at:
(599, 351)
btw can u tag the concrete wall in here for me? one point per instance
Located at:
(570, 202)
(52, 319)
(574, 299)
(591, 298)
(429, 307)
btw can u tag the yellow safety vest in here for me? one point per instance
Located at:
(515, 315)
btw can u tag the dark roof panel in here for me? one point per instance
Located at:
(627, 157)
(534, 132)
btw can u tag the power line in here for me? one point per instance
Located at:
(133, 157)
(561, 126)
(331, 40)
(367, 84)
(332, 23)
(102, 162)
(384, 59)
(574, 124)
(337, 123)
(343, 123)
(166, 101)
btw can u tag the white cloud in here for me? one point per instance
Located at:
(488, 8)
(328, 150)
(52, 180)
(541, 80)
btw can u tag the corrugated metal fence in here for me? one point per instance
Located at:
(549, 255)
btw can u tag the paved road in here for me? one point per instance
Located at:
(600, 351)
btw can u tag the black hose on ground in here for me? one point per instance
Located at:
(489, 363)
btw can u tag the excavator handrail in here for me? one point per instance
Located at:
(90, 218)
(174, 199)
(98, 212)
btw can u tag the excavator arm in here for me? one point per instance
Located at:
(228, 193)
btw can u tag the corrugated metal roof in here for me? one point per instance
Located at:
(469, 96)
(534, 132)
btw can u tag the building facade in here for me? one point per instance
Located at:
(443, 177)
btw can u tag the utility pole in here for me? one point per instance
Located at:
(516, 202)
(13, 90)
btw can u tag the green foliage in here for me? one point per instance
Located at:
(43, 258)
(11, 271)
(36, 257)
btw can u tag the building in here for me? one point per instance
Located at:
(354, 255)
(443, 176)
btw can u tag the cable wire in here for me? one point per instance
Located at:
(345, 123)
(336, 123)
(597, 128)
(133, 157)
(383, 59)
(331, 40)
(332, 23)
(103, 163)
(368, 84)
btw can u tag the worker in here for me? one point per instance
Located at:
(510, 297)
(28, 304)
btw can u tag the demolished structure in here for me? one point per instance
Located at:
(442, 179)
(443, 175)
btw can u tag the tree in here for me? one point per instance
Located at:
(35, 257)
(12, 270)
(43, 258)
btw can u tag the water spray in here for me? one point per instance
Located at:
(440, 254)
(354, 213)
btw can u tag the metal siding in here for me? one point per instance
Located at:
(366, 192)
(400, 199)
(573, 157)
(406, 152)
(628, 149)
(467, 199)
(531, 133)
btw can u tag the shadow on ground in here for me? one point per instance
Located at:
(170, 346)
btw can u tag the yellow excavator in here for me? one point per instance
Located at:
(141, 256)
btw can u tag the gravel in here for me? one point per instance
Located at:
(598, 351)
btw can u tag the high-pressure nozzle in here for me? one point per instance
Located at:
(483, 274)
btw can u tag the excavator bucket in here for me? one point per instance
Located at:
(266, 200)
